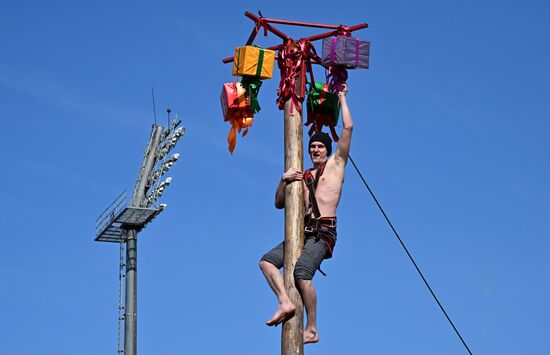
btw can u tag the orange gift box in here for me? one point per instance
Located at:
(253, 61)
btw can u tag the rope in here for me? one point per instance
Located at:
(410, 256)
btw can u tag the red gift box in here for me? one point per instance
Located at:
(237, 110)
(235, 102)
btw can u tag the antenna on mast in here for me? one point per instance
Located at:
(154, 107)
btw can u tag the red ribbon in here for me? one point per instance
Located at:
(293, 60)
(344, 31)
(317, 121)
(261, 23)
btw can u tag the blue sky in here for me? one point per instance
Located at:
(451, 126)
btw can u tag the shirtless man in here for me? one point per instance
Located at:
(320, 232)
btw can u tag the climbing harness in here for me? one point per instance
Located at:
(323, 228)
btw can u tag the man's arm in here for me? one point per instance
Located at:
(280, 195)
(342, 152)
(288, 177)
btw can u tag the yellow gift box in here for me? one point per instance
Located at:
(254, 61)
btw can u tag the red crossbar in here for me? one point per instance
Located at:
(264, 22)
(296, 23)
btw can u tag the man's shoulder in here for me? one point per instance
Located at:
(331, 161)
(332, 165)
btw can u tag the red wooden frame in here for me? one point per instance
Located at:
(265, 23)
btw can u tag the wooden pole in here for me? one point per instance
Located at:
(292, 342)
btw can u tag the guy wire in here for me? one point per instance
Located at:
(410, 256)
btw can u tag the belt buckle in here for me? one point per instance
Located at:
(313, 225)
(331, 223)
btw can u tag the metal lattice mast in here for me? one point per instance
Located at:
(121, 308)
(130, 315)
(123, 219)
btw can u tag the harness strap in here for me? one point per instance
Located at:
(311, 184)
(312, 187)
(329, 241)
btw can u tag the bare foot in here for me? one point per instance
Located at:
(283, 313)
(310, 336)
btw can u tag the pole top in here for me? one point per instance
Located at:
(265, 23)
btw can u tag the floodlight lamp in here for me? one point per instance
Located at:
(163, 151)
(174, 157)
(179, 132)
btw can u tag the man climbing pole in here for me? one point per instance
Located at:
(324, 188)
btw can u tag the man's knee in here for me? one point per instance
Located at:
(274, 257)
(265, 265)
(303, 284)
(303, 272)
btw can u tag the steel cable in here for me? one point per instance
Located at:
(410, 256)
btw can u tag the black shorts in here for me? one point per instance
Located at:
(314, 252)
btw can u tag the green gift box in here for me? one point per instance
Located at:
(323, 106)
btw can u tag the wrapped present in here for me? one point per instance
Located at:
(254, 61)
(235, 101)
(237, 110)
(323, 109)
(349, 52)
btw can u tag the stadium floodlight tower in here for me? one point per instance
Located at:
(124, 218)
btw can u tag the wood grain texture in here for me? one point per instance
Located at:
(292, 334)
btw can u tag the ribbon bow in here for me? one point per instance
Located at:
(261, 23)
(293, 60)
(252, 86)
(337, 77)
(344, 31)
